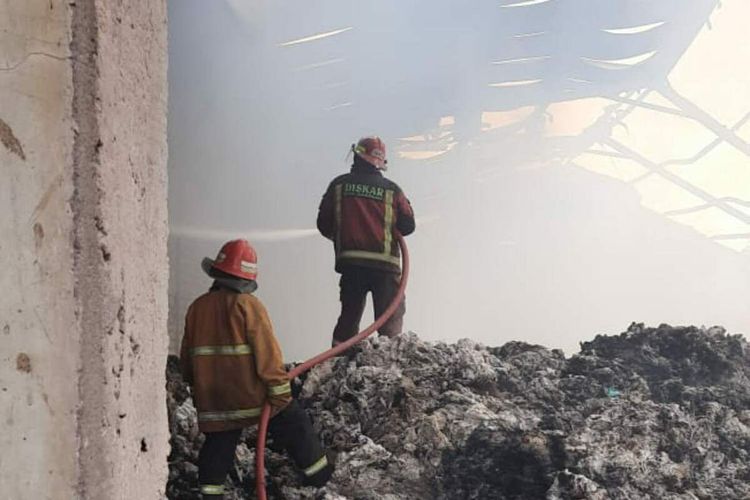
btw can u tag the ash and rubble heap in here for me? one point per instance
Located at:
(652, 413)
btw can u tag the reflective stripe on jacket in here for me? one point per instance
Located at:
(361, 212)
(231, 358)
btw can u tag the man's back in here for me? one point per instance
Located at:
(360, 212)
(230, 357)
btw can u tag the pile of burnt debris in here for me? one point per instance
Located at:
(651, 413)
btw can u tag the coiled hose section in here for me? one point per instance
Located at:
(260, 448)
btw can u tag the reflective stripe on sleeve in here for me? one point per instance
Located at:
(278, 390)
(316, 467)
(214, 416)
(212, 489)
(218, 350)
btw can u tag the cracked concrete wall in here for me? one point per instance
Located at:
(83, 245)
(39, 339)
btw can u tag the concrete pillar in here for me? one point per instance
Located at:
(83, 249)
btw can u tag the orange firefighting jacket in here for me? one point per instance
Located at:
(231, 358)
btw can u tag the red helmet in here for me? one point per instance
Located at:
(237, 258)
(372, 150)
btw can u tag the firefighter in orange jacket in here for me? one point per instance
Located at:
(361, 212)
(230, 357)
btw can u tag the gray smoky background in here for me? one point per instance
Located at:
(574, 166)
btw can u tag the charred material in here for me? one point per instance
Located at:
(651, 413)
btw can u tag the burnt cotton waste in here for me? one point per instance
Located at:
(659, 413)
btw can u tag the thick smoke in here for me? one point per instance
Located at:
(564, 157)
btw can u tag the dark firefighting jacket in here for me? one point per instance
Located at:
(232, 360)
(361, 212)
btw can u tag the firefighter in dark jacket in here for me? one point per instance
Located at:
(361, 212)
(230, 357)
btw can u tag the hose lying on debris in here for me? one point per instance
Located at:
(260, 448)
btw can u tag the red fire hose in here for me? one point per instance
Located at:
(260, 448)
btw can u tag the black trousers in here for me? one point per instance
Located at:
(354, 285)
(291, 429)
